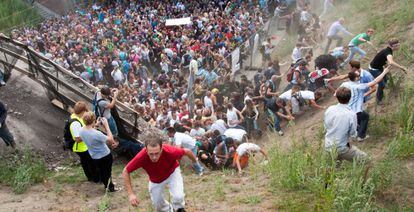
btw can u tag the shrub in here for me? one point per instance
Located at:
(20, 170)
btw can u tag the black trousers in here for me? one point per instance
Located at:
(89, 168)
(363, 119)
(105, 171)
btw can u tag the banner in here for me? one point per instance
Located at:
(177, 21)
(235, 60)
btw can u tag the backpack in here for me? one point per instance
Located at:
(95, 106)
(68, 141)
(301, 100)
(291, 71)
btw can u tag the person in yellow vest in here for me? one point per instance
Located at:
(80, 148)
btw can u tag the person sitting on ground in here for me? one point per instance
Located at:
(161, 162)
(127, 148)
(243, 152)
(223, 153)
(97, 147)
(341, 125)
(206, 151)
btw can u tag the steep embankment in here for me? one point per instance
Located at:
(298, 177)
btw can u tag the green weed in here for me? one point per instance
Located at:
(219, 189)
(21, 169)
(251, 200)
(15, 13)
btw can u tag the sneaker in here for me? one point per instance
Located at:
(13, 145)
(280, 132)
(2, 83)
(359, 139)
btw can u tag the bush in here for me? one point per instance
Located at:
(20, 170)
(16, 13)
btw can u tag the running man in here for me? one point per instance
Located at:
(385, 56)
(160, 161)
(354, 45)
(333, 33)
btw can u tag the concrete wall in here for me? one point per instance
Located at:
(60, 7)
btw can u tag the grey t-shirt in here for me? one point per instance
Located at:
(103, 104)
(96, 142)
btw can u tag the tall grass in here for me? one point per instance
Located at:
(20, 170)
(17, 13)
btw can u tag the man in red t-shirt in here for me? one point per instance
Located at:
(160, 161)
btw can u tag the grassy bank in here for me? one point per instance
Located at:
(16, 13)
(19, 170)
(310, 179)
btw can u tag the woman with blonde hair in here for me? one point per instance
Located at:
(97, 146)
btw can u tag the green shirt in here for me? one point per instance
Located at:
(355, 41)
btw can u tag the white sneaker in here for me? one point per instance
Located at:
(280, 132)
(359, 139)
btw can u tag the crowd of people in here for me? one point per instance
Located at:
(128, 51)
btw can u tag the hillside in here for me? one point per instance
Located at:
(298, 177)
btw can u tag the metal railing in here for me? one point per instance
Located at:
(63, 87)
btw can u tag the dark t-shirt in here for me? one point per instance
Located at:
(381, 58)
(274, 107)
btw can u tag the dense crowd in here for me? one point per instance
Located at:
(128, 51)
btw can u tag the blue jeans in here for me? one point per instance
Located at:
(6, 135)
(381, 85)
(353, 50)
(273, 120)
(112, 126)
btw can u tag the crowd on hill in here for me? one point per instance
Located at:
(127, 49)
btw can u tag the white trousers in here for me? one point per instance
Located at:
(176, 188)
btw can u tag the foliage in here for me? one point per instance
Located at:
(17, 13)
(21, 169)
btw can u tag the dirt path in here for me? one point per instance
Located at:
(33, 120)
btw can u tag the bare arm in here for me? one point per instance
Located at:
(379, 78)
(190, 155)
(391, 62)
(264, 153)
(127, 181)
(238, 165)
(112, 104)
(371, 90)
(315, 105)
(337, 78)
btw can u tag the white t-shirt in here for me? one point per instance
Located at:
(244, 148)
(117, 75)
(307, 95)
(75, 128)
(184, 140)
(232, 118)
(208, 103)
(236, 134)
(194, 66)
(219, 125)
(199, 132)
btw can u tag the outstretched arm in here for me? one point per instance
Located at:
(379, 78)
(391, 62)
(127, 181)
